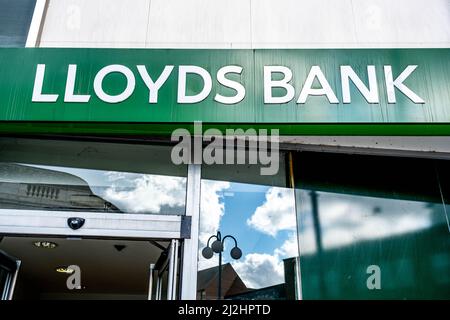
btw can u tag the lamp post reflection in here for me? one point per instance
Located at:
(217, 247)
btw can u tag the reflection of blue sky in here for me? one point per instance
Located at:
(240, 207)
(244, 211)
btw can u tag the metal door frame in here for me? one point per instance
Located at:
(7, 291)
(171, 267)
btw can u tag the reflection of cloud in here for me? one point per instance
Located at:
(212, 209)
(259, 270)
(289, 248)
(145, 193)
(346, 219)
(277, 212)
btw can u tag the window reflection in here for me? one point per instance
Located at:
(262, 219)
(64, 177)
(359, 211)
(330, 220)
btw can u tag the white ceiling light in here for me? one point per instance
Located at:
(64, 270)
(45, 244)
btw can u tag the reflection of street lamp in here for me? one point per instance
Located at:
(217, 247)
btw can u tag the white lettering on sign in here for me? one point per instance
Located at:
(239, 88)
(38, 96)
(316, 73)
(203, 94)
(398, 83)
(70, 96)
(280, 78)
(126, 93)
(283, 83)
(370, 94)
(154, 87)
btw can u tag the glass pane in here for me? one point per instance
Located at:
(259, 212)
(371, 228)
(15, 19)
(90, 176)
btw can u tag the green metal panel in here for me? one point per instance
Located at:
(135, 115)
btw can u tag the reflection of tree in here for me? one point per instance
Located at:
(28, 187)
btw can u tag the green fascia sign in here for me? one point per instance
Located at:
(154, 91)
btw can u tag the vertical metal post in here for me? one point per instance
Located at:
(298, 278)
(298, 272)
(175, 269)
(170, 274)
(190, 247)
(219, 290)
(158, 286)
(6, 287)
(12, 282)
(150, 281)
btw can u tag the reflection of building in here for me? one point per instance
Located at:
(27, 187)
(234, 288)
(207, 281)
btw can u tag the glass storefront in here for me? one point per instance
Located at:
(60, 175)
(354, 226)
(373, 227)
(259, 212)
(361, 227)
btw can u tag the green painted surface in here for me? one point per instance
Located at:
(135, 115)
(393, 216)
(85, 128)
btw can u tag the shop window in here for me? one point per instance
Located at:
(60, 175)
(15, 19)
(259, 212)
(373, 227)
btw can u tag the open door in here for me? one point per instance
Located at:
(163, 283)
(9, 268)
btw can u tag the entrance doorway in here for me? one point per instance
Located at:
(108, 268)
